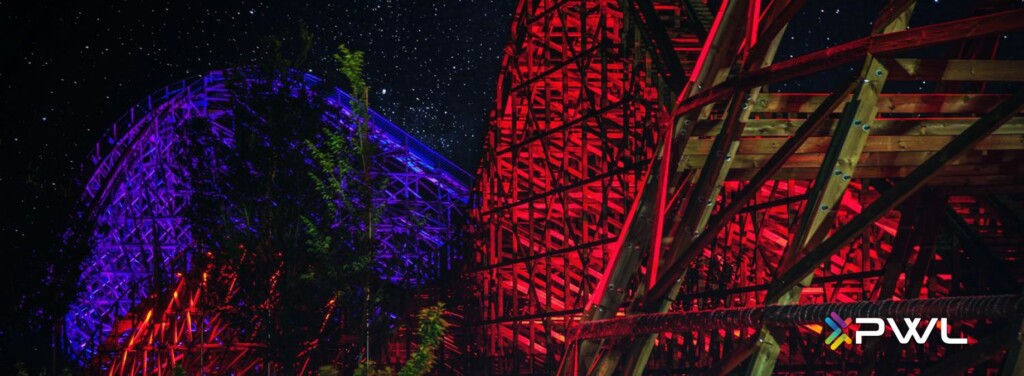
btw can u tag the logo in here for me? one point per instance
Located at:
(838, 336)
(911, 333)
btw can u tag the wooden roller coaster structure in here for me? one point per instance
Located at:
(641, 163)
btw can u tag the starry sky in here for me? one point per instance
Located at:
(68, 69)
(71, 68)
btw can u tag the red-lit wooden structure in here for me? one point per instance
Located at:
(641, 163)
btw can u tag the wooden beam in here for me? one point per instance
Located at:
(970, 175)
(868, 159)
(945, 103)
(875, 143)
(773, 23)
(997, 277)
(902, 246)
(1010, 210)
(920, 217)
(700, 201)
(785, 151)
(899, 192)
(883, 126)
(879, 45)
(658, 40)
(712, 68)
(955, 70)
(834, 175)
(701, 198)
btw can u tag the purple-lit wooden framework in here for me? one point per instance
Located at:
(141, 240)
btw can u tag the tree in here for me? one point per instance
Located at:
(432, 327)
(289, 206)
(347, 181)
(431, 331)
(260, 211)
(334, 186)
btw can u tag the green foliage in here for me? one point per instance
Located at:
(290, 207)
(432, 327)
(328, 371)
(369, 368)
(347, 182)
(179, 370)
(284, 207)
(351, 65)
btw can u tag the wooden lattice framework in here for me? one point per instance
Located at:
(144, 306)
(637, 165)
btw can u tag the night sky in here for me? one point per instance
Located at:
(70, 68)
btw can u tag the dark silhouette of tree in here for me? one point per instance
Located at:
(287, 205)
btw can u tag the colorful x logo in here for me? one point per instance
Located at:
(838, 326)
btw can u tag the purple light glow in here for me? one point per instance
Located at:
(137, 194)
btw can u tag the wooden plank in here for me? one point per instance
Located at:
(955, 70)
(887, 103)
(883, 126)
(899, 192)
(837, 166)
(701, 198)
(713, 68)
(950, 175)
(758, 178)
(873, 159)
(899, 143)
(878, 45)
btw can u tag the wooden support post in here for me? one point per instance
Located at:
(920, 215)
(902, 247)
(833, 177)
(897, 194)
(701, 199)
(737, 203)
(713, 68)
